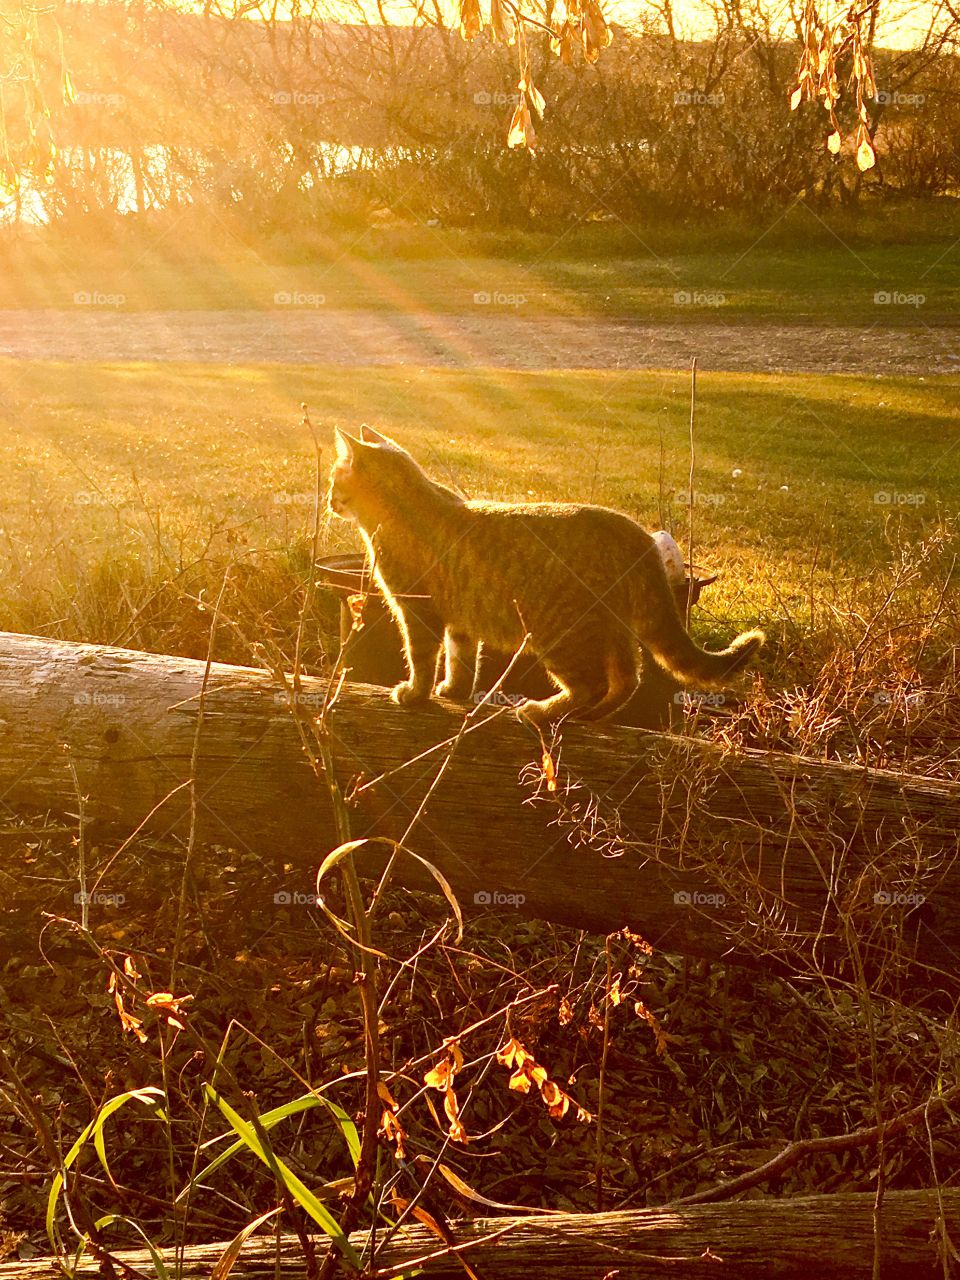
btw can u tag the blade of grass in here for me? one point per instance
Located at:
(269, 1120)
(155, 1255)
(225, 1263)
(352, 846)
(258, 1144)
(149, 1096)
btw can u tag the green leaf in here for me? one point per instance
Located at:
(149, 1096)
(300, 1192)
(271, 1118)
(156, 1257)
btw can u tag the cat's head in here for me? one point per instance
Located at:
(367, 471)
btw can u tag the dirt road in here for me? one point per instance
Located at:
(499, 337)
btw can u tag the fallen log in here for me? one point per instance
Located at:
(700, 850)
(824, 1236)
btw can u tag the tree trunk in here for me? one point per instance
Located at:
(830, 1237)
(700, 850)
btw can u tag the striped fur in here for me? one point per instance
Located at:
(585, 585)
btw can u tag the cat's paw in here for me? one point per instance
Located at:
(547, 712)
(452, 691)
(407, 694)
(533, 712)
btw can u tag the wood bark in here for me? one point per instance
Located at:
(702, 851)
(824, 1236)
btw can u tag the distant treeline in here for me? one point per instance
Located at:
(281, 125)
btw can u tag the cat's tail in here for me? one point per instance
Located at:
(695, 666)
(659, 627)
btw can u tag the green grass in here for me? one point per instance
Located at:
(122, 478)
(819, 273)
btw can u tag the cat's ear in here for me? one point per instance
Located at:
(346, 444)
(369, 436)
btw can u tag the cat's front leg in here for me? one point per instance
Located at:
(421, 641)
(460, 667)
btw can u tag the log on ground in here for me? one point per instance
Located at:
(829, 1236)
(689, 845)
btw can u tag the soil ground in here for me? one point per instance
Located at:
(497, 338)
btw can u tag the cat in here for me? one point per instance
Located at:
(585, 584)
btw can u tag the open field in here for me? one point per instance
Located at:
(806, 270)
(121, 477)
(823, 462)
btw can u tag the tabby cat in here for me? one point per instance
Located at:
(586, 585)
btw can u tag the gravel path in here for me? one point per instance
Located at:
(498, 337)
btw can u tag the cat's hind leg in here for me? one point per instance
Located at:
(540, 712)
(460, 665)
(623, 678)
(582, 684)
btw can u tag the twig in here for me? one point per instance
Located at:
(691, 494)
(468, 719)
(796, 1151)
(194, 764)
(604, 1054)
(413, 1264)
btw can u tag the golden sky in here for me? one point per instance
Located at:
(903, 23)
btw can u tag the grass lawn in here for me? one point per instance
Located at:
(645, 274)
(122, 479)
